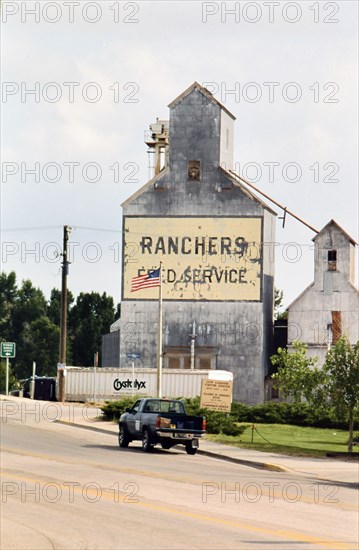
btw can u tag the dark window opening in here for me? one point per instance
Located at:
(174, 363)
(194, 170)
(187, 362)
(205, 363)
(332, 260)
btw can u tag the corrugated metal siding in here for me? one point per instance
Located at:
(111, 350)
(83, 384)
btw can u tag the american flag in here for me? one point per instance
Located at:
(149, 280)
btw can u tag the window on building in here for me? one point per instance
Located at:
(329, 334)
(187, 362)
(332, 260)
(205, 363)
(336, 325)
(194, 170)
(176, 358)
(174, 363)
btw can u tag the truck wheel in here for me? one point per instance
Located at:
(147, 446)
(189, 449)
(123, 439)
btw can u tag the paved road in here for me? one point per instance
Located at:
(66, 487)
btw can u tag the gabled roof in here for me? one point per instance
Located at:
(247, 192)
(300, 295)
(333, 222)
(205, 92)
(145, 187)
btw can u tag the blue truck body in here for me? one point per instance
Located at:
(162, 421)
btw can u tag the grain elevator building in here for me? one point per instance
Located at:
(213, 238)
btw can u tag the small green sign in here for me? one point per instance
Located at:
(8, 349)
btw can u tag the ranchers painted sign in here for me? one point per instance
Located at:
(202, 258)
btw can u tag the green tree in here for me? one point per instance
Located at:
(40, 343)
(341, 383)
(24, 319)
(54, 305)
(13, 381)
(27, 319)
(335, 386)
(30, 304)
(8, 295)
(297, 376)
(89, 319)
(118, 312)
(278, 304)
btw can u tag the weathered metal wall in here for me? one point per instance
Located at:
(110, 349)
(237, 328)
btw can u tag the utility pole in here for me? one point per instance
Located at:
(63, 313)
(193, 339)
(160, 337)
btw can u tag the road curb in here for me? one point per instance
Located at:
(251, 463)
(276, 467)
(92, 428)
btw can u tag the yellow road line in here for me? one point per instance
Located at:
(292, 535)
(181, 479)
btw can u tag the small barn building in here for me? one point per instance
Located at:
(329, 306)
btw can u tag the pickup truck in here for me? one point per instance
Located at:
(163, 421)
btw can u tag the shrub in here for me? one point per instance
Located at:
(299, 414)
(112, 410)
(217, 422)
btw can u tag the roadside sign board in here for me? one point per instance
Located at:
(8, 349)
(216, 395)
(133, 355)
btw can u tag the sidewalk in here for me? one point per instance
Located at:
(87, 417)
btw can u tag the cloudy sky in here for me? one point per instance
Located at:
(82, 81)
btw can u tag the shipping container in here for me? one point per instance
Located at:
(105, 384)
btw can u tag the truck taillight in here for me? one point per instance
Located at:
(204, 424)
(158, 421)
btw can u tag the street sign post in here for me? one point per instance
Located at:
(7, 350)
(133, 356)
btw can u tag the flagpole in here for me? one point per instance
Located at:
(160, 335)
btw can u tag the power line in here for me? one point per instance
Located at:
(47, 227)
(42, 228)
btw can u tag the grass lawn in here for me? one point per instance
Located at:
(287, 439)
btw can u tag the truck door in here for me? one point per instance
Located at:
(133, 415)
